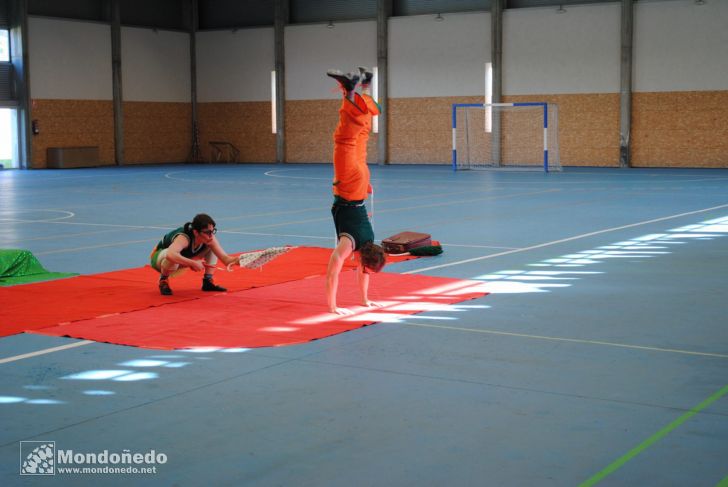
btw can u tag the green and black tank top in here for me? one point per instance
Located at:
(188, 251)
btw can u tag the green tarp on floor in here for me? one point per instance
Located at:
(21, 267)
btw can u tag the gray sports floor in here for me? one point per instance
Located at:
(601, 356)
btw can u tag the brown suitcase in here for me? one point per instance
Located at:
(406, 241)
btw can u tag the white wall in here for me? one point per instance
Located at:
(680, 46)
(155, 65)
(429, 58)
(235, 66)
(311, 50)
(545, 52)
(677, 46)
(69, 60)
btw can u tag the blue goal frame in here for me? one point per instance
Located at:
(545, 106)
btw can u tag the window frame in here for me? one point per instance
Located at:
(6, 33)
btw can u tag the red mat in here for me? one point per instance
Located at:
(282, 314)
(39, 305)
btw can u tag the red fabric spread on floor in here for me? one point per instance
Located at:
(281, 314)
(39, 305)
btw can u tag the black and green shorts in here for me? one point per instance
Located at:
(351, 221)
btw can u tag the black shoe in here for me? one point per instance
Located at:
(365, 75)
(208, 285)
(347, 81)
(164, 288)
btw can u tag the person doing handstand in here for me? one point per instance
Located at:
(350, 187)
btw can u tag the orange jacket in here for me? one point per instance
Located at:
(351, 173)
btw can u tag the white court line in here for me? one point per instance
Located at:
(235, 232)
(90, 247)
(418, 207)
(568, 239)
(270, 174)
(478, 246)
(571, 340)
(69, 235)
(112, 225)
(388, 200)
(45, 351)
(10, 218)
(667, 177)
(240, 217)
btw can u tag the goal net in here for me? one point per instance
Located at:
(505, 136)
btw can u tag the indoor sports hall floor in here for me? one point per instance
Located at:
(601, 356)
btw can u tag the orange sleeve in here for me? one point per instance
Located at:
(350, 178)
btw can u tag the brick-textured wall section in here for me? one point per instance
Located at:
(310, 126)
(420, 129)
(310, 129)
(246, 125)
(72, 123)
(156, 132)
(675, 129)
(680, 129)
(588, 127)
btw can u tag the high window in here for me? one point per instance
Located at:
(4, 46)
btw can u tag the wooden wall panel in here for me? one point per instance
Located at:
(676, 129)
(680, 129)
(246, 125)
(72, 123)
(588, 128)
(420, 129)
(310, 127)
(156, 132)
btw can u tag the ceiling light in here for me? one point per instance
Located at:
(561, 10)
(330, 25)
(439, 18)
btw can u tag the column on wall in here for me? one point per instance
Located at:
(19, 58)
(384, 11)
(625, 89)
(496, 56)
(116, 82)
(280, 21)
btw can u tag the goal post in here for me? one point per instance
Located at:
(505, 135)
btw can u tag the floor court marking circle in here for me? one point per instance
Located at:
(272, 175)
(9, 218)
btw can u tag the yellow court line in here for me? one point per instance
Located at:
(572, 340)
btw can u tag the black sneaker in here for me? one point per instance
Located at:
(164, 288)
(208, 285)
(347, 81)
(365, 75)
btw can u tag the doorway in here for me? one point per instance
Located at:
(8, 138)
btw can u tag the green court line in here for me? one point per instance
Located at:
(617, 464)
